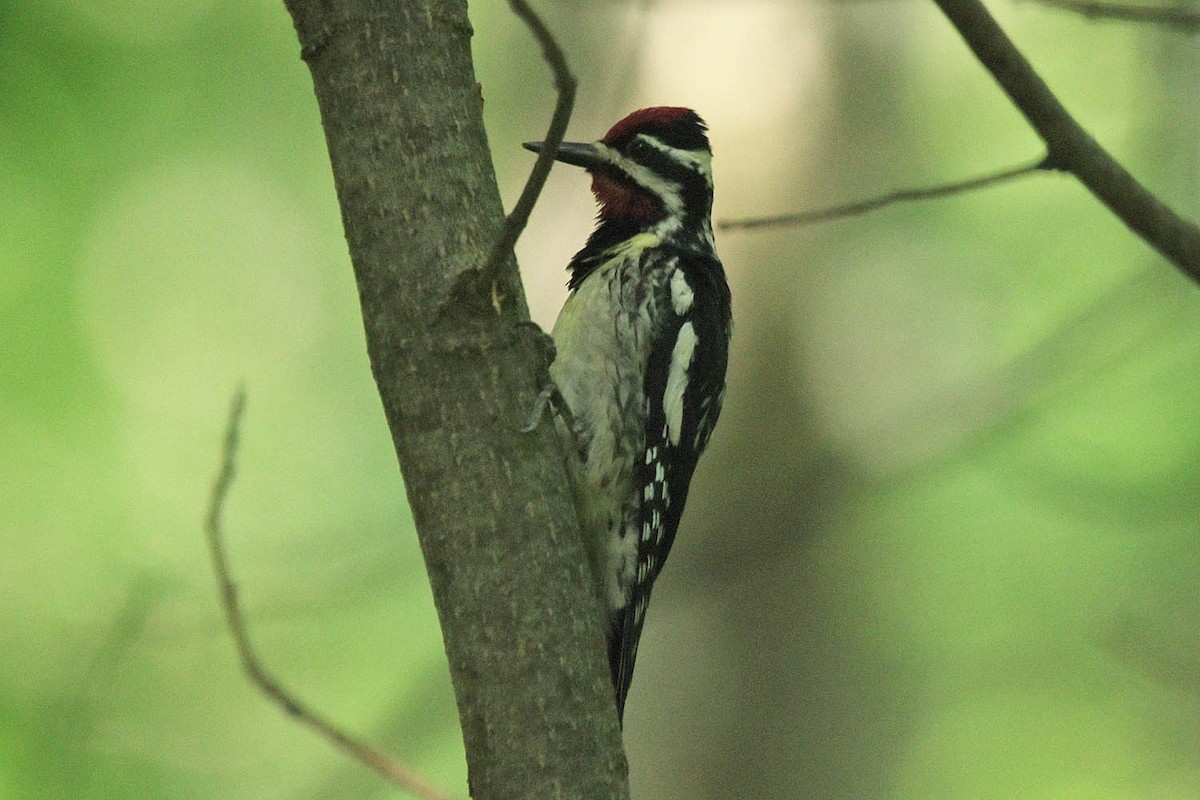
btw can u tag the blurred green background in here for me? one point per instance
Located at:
(944, 544)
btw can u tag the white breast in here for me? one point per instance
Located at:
(599, 369)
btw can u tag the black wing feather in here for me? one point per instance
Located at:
(664, 470)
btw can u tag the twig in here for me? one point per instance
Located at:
(1071, 148)
(395, 772)
(1179, 17)
(565, 83)
(871, 204)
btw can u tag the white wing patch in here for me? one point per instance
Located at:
(681, 360)
(681, 293)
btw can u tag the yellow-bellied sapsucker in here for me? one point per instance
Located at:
(642, 342)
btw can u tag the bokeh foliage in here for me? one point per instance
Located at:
(945, 544)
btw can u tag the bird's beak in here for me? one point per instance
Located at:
(575, 153)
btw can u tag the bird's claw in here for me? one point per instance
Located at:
(545, 398)
(551, 397)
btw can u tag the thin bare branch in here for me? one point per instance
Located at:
(395, 772)
(565, 83)
(1071, 148)
(891, 198)
(1179, 17)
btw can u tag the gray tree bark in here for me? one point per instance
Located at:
(458, 375)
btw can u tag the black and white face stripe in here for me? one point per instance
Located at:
(680, 179)
(674, 163)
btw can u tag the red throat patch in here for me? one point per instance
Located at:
(623, 200)
(655, 115)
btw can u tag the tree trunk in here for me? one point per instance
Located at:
(458, 376)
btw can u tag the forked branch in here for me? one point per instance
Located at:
(1071, 148)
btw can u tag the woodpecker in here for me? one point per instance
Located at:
(642, 346)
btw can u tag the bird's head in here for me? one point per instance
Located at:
(652, 168)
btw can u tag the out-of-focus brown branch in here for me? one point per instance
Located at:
(391, 769)
(1071, 148)
(1180, 17)
(565, 83)
(891, 198)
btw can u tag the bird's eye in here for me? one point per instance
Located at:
(640, 147)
